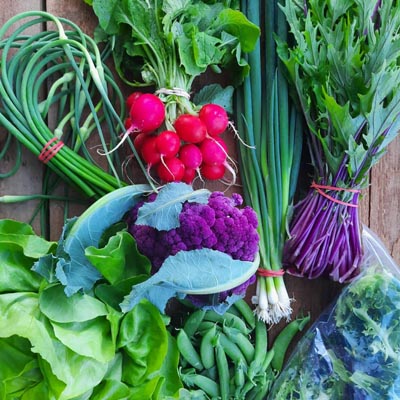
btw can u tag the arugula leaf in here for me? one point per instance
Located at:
(352, 350)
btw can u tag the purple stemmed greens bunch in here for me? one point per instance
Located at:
(344, 62)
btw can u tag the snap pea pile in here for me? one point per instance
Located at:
(227, 357)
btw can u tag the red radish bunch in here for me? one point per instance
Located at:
(192, 147)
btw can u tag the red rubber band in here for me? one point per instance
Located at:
(319, 188)
(49, 151)
(270, 273)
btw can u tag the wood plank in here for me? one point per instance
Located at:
(385, 199)
(28, 178)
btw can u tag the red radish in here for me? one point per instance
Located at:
(139, 139)
(168, 143)
(213, 150)
(191, 156)
(189, 175)
(171, 170)
(190, 128)
(127, 123)
(212, 172)
(131, 99)
(147, 113)
(215, 118)
(149, 151)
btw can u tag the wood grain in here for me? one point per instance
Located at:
(28, 180)
(384, 207)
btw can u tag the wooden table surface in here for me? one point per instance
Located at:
(379, 206)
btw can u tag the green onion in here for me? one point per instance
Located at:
(271, 126)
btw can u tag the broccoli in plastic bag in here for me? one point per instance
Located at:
(353, 350)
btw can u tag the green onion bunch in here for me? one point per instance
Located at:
(55, 92)
(271, 127)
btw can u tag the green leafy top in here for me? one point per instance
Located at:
(168, 44)
(344, 61)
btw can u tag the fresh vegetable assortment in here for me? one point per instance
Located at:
(166, 46)
(89, 317)
(81, 345)
(343, 62)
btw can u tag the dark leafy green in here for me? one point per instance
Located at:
(353, 349)
(170, 43)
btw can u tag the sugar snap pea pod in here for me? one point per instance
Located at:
(231, 349)
(261, 342)
(227, 319)
(207, 385)
(205, 326)
(246, 312)
(267, 360)
(223, 371)
(211, 373)
(259, 391)
(239, 376)
(207, 344)
(241, 341)
(187, 350)
(283, 340)
(193, 321)
(233, 310)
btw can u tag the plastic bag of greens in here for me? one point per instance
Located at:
(353, 350)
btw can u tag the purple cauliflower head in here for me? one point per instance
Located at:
(220, 224)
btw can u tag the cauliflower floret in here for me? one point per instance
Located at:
(218, 225)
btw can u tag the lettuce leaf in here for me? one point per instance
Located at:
(19, 247)
(55, 346)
